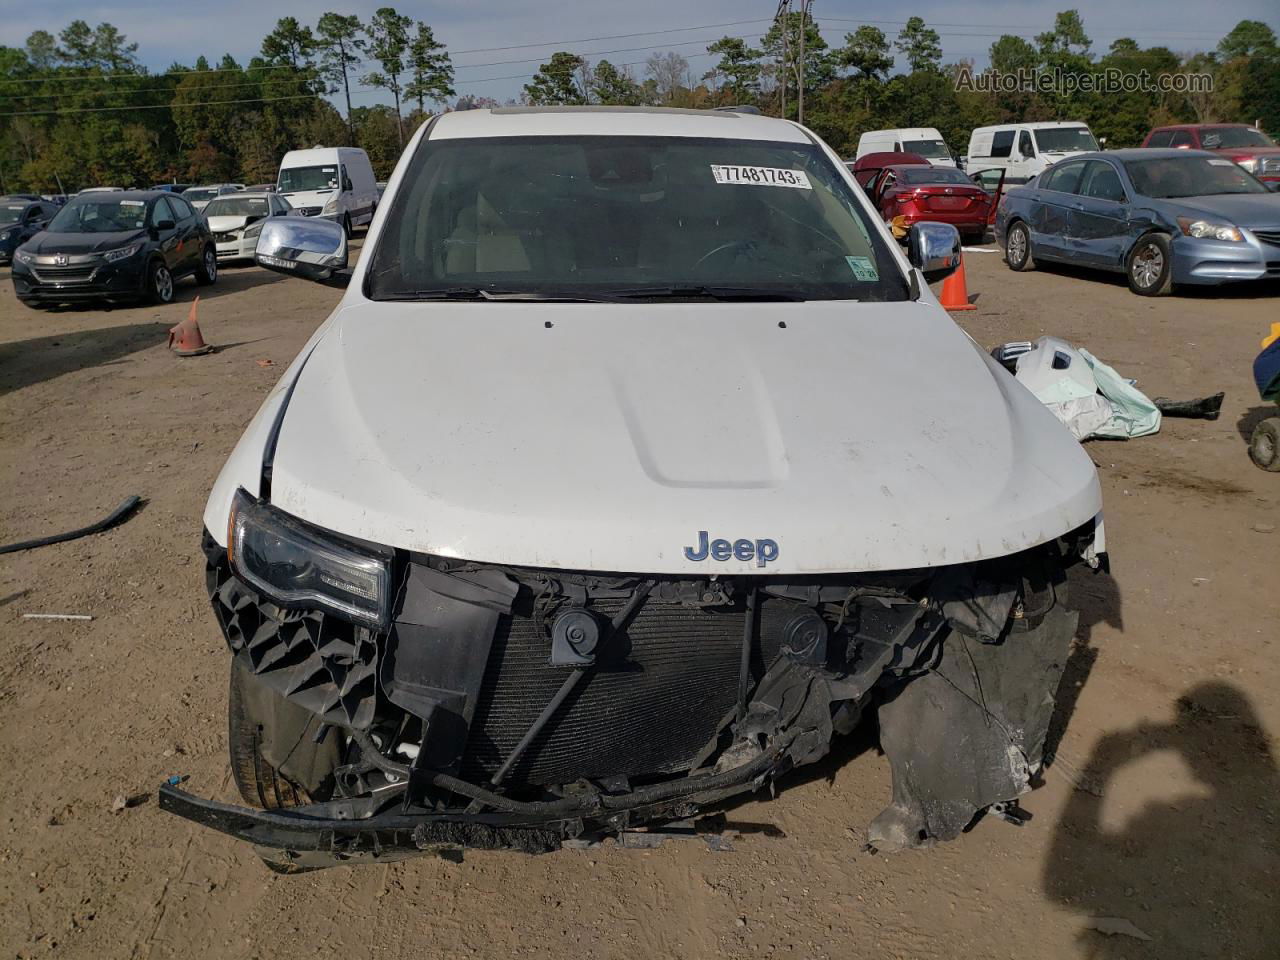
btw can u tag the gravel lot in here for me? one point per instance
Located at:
(1161, 809)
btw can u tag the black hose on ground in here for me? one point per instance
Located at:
(127, 506)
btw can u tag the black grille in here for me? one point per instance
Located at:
(309, 211)
(1268, 236)
(68, 274)
(655, 699)
(224, 237)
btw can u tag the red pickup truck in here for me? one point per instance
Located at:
(1248, 146)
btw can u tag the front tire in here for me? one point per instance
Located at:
(261, 724)
(159, 283)
(1149, 266)
(1017, 248)
(207, 272)
(346, 225)
(1264, 445)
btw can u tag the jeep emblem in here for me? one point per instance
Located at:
(762, 551)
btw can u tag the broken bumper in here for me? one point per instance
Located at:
(696, 691)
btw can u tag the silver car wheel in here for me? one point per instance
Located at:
(1148, 266)
(210, 264)
(164, 284)
(1017, 245)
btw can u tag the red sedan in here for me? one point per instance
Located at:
(907, 193)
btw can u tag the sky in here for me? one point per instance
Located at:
(475, 31)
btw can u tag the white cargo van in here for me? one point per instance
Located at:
(331, 182)
(924, 141)
(1023, 150)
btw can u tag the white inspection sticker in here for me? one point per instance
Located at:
(760, 176)
(133, 203)
(1222, 163)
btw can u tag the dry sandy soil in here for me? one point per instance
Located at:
(1161, 808)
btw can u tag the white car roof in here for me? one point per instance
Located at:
(304, 158)
(916, 133)
(1038, 125)
(613, 121)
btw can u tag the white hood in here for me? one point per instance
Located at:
(308, 198)
(606, 437)
(226, 223)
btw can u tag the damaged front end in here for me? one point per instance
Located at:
(516, 708)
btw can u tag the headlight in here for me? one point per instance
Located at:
(253, 229)
(6, 234)
(1205, 229)
(331, 205)
(1248, 163)
(111, 256)
(297, 565)
(25, 257)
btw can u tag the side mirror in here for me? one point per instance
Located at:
(306, 247)
(1274, 185)
(933, 249)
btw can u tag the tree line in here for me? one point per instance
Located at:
(851, 88)
(80, 110)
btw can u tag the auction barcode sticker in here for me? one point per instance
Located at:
(760, 176)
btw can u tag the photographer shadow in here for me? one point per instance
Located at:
(1196, 872)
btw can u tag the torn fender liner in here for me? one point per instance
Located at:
(971, 732)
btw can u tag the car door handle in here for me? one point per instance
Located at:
(1078, 206)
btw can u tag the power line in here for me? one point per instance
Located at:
(359, 76)
(131, 93)
(616, 36)
(138, 76)
(156, 106)
(515, 46)
(1003, 26)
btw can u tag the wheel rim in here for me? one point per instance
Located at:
(1264, 450)
(210, 264)
(1017, 245)
(164, 284)
(1148, 265)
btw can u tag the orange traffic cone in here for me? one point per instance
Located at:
(955, 295)
(185, 339)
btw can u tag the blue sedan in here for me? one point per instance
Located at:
(1161, 217)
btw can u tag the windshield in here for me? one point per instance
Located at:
(1064, 140)
(293, 179)
(100, 216)
(238, 207)
(11, 213)
(199, 194)
(926, 148)
(934, 175)
(619, 216)
(1189, 176)
(1218, 138)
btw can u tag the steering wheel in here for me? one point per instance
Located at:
(731, 245)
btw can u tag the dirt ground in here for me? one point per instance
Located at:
(1161, 809)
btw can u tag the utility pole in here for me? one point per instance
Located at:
(804, 28)
(783, 13)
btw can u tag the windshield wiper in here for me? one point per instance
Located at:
(480, 293)
(682, 291)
